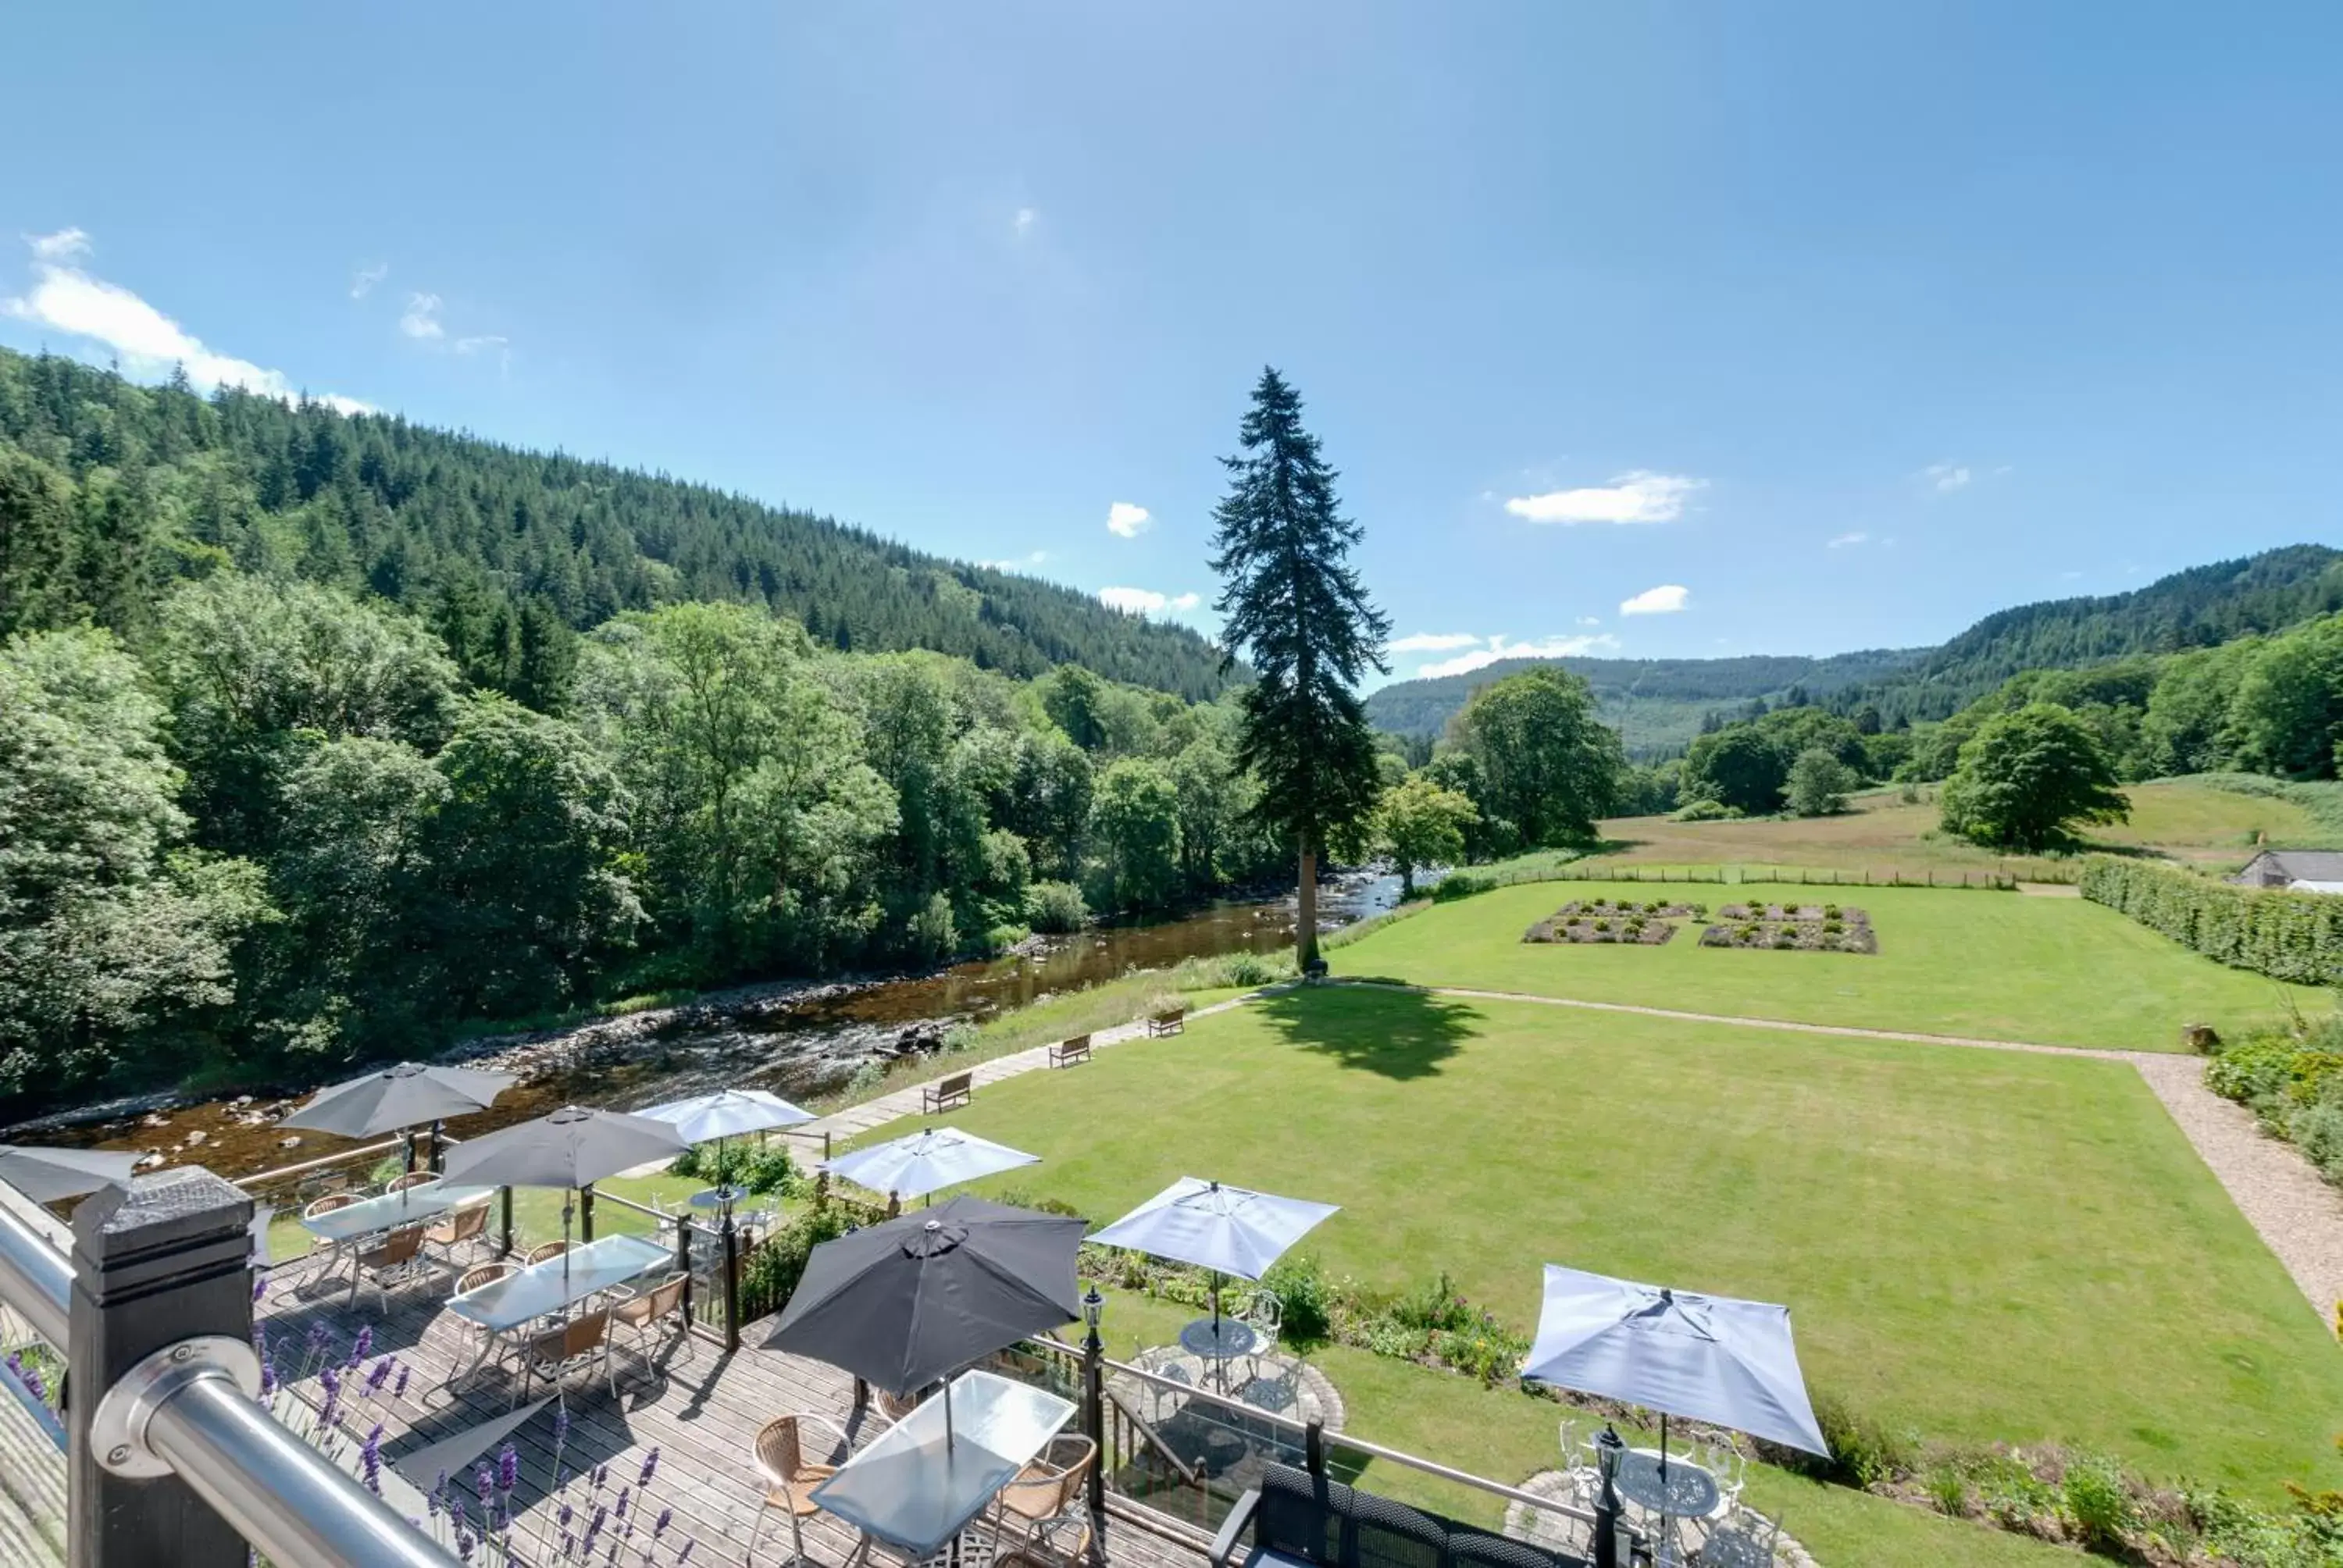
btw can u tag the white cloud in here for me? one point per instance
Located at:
(1590, 620)
(1035, 560)
(475, 345)
(64, 298)
(1841, 541)
(1147, 601)
(362, 280)
(1128, 520)
(1945, 477)
(421, 320)
(1024, 220)
(1666, 600)
(1636, 496)
(1430, 642)
(64, 245)
(1551, 647)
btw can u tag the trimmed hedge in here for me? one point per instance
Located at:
(2287, 936)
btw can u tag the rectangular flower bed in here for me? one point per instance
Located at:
(1803, 936)
(1638, 930)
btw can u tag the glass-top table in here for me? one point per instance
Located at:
(424, 1201)
(916, 1491)
(559, 1283)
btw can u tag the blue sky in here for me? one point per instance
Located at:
(1663, 329)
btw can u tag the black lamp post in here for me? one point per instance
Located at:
(1609, 1450)
(1094, 1415)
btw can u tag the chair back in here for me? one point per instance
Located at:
(468, 1223)
(400, 1246)
(585, 1333)
(1263, 1311)
(486, 1274)
(328, 1205)
(781, 1451)
(669, 1297)
(1738, 1542)
(410, 1179)
(544, 1250)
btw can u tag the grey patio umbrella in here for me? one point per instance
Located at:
(46, 1175)
(575, 1147)
(926, 1161)
(904, 1303)
(1709, 1358)
(399, 1100)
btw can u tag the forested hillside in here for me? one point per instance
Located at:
(1661, 704)
(111, 492)
(1657, 704)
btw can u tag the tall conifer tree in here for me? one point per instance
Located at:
(1295, 608)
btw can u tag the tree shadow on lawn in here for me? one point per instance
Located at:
(1401, 1033)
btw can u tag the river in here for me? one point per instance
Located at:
(799, 1040)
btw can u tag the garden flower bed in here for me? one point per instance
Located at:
(1639, 922)
(1818, 935)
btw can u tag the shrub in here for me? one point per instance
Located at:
(774, 1268)
(1056, 908)
(765, 1168)
(1459, 885)
(1948, 1490)
(2317, 1131)
(1864, 1451)
(1306, 1296)
(1704, 810)
(867, 1079)
(2098, 1502)
(1253, 969)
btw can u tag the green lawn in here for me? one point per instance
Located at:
(2003, 966)
(1975, 1244)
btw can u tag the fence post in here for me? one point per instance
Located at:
(155, 1264)
(586, 1213)
(503, 1199)
(683, 1261)
(731, 1286)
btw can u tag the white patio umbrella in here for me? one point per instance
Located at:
(573, 1147)
(1708, 1358)
(926, 1161)
(726, 1113)
(1228, 1230)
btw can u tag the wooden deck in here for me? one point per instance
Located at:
(697, 1406)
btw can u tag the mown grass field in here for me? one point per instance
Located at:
(2181, 818)
(1996, 965)
(1975, 1244)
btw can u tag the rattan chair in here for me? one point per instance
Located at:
(410, 1179)
(467, 1226)
(1060, 1543)
(1045, 1488)
(472, 1278)
(327, 1254)
(396, 1259)
(580, 1342)
(790, 1478)
(544, 1250)
(640, 1315)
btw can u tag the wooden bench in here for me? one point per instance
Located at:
(1067, 1052)
(1170, 1021)
(959, 1089)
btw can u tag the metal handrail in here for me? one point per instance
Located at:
(278, 1492)
(319, 1163)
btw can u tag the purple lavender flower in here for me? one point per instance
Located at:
(650, 1467)
(464, 1544)
(362, 1346)
(398, 1389)
(484, 1481)
(378, 1376)
(569, 1545)
(508, 1469)
(331, 1381)
(683, 1556)
(620, 1511)
(562, 1518)
(259, 1288)
(316, 1338)
(268, 1380)
(370, 1459)
(560, 1424)
(658, 1525)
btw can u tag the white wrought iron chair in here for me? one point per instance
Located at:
(1265, 1314)
(1743, 1538)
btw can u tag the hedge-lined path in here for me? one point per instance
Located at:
(2297, 1214)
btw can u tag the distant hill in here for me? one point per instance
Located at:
(1659, 704)
(146, 482)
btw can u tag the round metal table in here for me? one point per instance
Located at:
(1217, 1343)
(716, 1197)
(1688, 1493)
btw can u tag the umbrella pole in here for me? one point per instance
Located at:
(565, 1240)
(1664, 1448)
(948, 1430)
(1216, 1306)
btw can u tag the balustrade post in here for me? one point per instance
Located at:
(166, 1259)
(504, 1201)
(438, 1149)
(586, 1213)
(1313, 1450)
(683, 1262)
(732, 1285)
